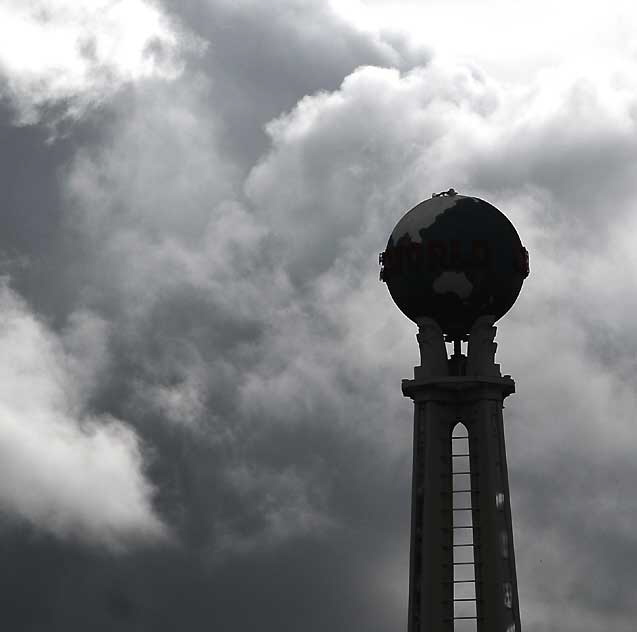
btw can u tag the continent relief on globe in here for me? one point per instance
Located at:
(454, 258)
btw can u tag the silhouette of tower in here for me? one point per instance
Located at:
(454, 265)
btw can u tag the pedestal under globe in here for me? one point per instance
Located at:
(454, 258)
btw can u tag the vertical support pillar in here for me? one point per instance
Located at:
(497, 592)
(431, 563)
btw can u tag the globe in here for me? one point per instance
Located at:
(454, 258)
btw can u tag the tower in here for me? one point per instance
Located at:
(454, 265)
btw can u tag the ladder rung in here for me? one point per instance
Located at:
(461, 599)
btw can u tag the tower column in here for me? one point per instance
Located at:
(441, 401)
(431, 563)
(497, 607)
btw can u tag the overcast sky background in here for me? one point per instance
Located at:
(201, 423)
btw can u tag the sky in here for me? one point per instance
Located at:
(201, 421)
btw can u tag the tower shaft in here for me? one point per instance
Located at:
(462, 563)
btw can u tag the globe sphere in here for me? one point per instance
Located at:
(454, 258)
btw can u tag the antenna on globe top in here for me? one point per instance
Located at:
(454, 265)
(448, 192)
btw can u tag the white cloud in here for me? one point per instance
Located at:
(349, 155)
(73, 55)
(511, 41)
(63, 470)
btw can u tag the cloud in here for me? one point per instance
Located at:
(244, 336)
(263, 58)
(206, 322)
(287, 503)
(64, 470)
(318, 207)
(59, 55)
(555, 160)
(349, 155)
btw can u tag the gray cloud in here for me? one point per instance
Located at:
(216, 243)
(263, 58)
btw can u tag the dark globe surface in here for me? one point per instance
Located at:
(454, 258)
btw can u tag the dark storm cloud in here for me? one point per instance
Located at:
(185, 330)
(218, 239)
(264, 57)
